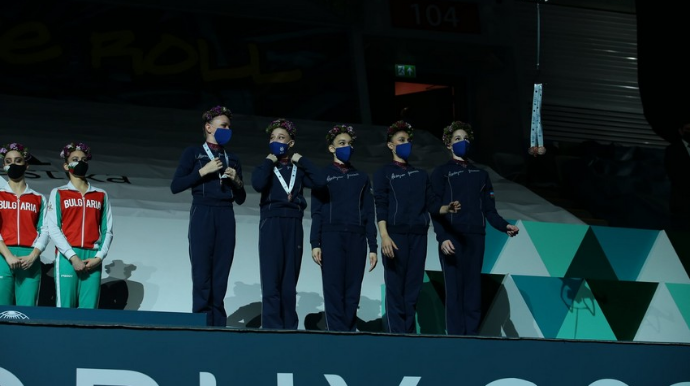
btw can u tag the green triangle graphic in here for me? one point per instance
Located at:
(681, 243)
(590, 262)
(556, 243)
(626, 248)
(624, 303)
(681, 295)
(548, 299)
(520, 257)
(662, 264)
(493, 245)
(585, 320)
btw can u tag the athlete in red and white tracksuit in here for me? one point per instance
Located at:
(23, 232)
(81, 226)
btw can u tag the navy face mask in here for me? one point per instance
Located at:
(461, 148)
(278, 149)
(404, 150)
(222, 135)
(344, 153)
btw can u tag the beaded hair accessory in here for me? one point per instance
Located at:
(216, 111)
(399, 126)
(457, 125)
(23, 150)
(74, 146)
(339, 129)
(282, 123)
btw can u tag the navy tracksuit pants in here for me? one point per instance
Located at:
(343, 260)
(281, 242)
(211, 251)
(462, 275)
(403, 276)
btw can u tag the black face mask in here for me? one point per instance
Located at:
(79, 169)
(15, 172)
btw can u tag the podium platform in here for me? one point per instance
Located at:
(40, 353)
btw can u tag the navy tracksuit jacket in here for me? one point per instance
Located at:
(343, 223)
(211, 228)
(281, 238)
(460, 181)
(404, 198)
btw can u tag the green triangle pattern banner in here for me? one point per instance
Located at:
(681, 244)
(681, 296)
(576, 281)
(509, 315)
(590, 261)
(624, 304)
(585, 319)
(626, 249)
(662, 264)
(557, 244)
(663, 321)
(520, 257)
(494, 243)
(547, 299)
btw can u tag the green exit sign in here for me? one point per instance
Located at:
(405, 71)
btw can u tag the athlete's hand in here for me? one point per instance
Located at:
(452, 207)
(77, 263)
(13, 262)
(316, 255)
(512, 230)
(272, 157)
(211, 167)
(27, 261)
(447, 248)
(372, 261)
(92, 264)
(388, 247)
(295, 158)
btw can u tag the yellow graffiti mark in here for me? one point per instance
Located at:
(168, 42)
(115, 44)
(31, 43)
(22, 44)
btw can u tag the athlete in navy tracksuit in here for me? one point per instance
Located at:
(215, 177)
(461, 235)
(404, 198)
(342, 225)
(281, 179)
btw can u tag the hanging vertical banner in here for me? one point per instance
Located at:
(537, 133)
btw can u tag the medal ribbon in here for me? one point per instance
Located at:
(288, 190)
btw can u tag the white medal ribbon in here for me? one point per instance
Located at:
(288, 189)
(537, 135)
(211, 157)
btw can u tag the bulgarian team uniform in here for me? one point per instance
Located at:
(461, 181)
(22, 228)
(343, 224)
(404, 198)
(81, 225)
(212, 227)
(281, 236)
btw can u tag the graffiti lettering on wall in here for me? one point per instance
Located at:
(31, 42)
